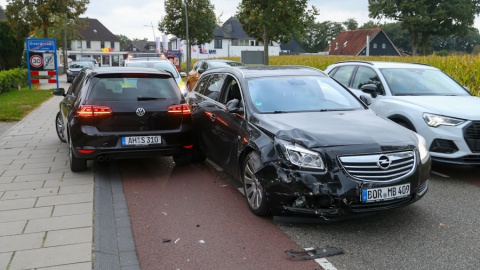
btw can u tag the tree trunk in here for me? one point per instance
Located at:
(265, 45)
(45, 32)
(414, 41)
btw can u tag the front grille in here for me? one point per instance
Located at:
(472, 136)
(380, 167)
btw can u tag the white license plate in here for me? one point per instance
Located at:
(385, 193)
(141, 140)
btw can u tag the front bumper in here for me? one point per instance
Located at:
(331, 195)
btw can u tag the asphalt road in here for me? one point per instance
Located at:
(193, 217)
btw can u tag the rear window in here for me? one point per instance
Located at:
(134, 89)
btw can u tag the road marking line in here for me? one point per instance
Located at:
(324, 263)
(440, 174)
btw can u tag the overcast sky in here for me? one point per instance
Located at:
(134, 19)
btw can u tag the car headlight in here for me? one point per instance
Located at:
(435, 120)
(301, 156)
(422, 148)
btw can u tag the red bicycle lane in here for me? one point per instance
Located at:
(191, 218)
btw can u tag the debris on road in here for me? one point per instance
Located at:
(314, 253)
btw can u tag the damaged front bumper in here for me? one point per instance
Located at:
(331, 195)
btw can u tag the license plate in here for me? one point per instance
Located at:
(385, 193)
(141, 140)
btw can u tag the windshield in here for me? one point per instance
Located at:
(80, 64)
(215, 64)
(300, 94)
(157, 65)
(421, 82)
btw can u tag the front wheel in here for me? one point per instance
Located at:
(60, 127)
(254, 192)
(76, 164)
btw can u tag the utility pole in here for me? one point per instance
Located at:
(188, 40)
(65, 62)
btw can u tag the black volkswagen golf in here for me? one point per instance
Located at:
(124, 113)
(303, 145)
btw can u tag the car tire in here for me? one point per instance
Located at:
(60, 127)
(76, 164)
(254, 192)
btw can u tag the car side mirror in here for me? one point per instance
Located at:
(59, 92)
(366, 99)
(200, 71)
(233, 106)
(370, 89)
(183, 74)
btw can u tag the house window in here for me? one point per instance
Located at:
(384, 46)
(112, 44)
(88, 44)
(374, 45)
(218, 44)
(79, 44)
(252, 42)
(151, 48)
(102, 44)
(234, 42)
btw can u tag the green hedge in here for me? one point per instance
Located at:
(12, 78)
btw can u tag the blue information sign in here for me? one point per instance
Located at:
(36, 44)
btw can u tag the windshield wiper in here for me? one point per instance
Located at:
(149, 98)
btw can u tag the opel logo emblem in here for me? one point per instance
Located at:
(140, 111)
(384, 162)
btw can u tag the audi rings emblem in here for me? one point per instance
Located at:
(384, 162)
(140, 111)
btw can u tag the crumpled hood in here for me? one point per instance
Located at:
(464, 107)
(327, 129)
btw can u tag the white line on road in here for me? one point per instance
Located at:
(324, 263)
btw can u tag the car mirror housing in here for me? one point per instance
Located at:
(183, 74)
(200, 71)
(366, 99)
(59, 92)
(233, 106)
(370, 89)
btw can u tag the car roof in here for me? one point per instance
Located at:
(386, 64)
(132, 70)
(268, 71)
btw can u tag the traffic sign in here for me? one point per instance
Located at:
(37, 44)
(36, 61)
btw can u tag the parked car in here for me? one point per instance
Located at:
(89, 59)
(160, 64)
(303, 145)
(204, 65)
(74, 68)
(423, 99)
(112, 113)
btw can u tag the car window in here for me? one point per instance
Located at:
(365, 75)
(133, 89)
(197, 65)
(210, 86)
(232, 91)
(204, 66)
(300, 93)
(418, 81)
(343, 74)
(77, 86)
(157, 65)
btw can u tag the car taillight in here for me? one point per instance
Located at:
(179, 109)
(93, 110)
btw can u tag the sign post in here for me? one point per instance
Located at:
(41, 57)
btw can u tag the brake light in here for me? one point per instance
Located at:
(179, 109)
(93, 110)
(85, 151)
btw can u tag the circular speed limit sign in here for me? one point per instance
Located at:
(36, 61)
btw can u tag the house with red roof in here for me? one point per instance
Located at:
(372, 42)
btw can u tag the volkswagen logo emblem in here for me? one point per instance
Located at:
(384, 162)
(140, 111)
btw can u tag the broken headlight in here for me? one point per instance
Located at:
(301, 156)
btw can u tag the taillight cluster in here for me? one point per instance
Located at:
(179, 109)
(87, 111)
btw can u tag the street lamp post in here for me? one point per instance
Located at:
(151, 24)
(188, 39)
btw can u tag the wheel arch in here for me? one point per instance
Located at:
(403, 121)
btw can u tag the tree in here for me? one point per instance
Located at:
(201, 21)
(424, 18)
(369, 24)
(123, 39)
(11, 48)
(274, 20)
(318, 36)
(27, 16)
(350, 24)
(397, 35)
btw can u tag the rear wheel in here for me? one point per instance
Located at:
(60, 127)
(254, 192)
(76, 164)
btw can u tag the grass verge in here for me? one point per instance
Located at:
(17, 104)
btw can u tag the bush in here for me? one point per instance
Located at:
(11, 79)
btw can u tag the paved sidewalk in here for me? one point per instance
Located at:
(46, 211)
